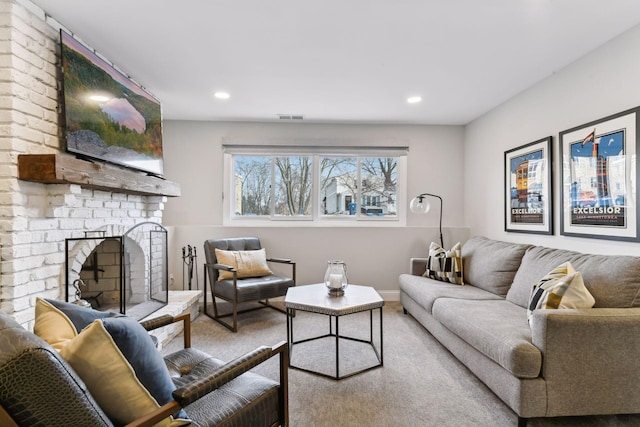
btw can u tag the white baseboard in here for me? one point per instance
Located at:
(390, 295)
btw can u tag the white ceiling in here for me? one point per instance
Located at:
(341, 60)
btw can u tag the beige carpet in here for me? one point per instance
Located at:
(420, 384)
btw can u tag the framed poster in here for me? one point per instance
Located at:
(528, 190)
(599, 178)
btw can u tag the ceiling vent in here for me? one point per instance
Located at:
(290, 116)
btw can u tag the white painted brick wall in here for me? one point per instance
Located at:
(35, 219)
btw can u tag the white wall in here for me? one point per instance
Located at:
(604, 82)
(375, 256)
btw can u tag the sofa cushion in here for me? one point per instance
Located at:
(496, 328)
(614, 281)
(491, 264)
(444, 265)
(562, 287)
(426, 291)
(536, 262)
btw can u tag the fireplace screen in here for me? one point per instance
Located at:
(125, 274)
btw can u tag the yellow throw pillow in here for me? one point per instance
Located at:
(110, 379)
(52, 325)
(246, 263)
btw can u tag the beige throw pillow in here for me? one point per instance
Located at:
(246, 263)
(563, 287)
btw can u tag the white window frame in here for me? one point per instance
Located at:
(317, 217)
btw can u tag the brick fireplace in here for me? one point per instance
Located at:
(65, 199)
(54, 213)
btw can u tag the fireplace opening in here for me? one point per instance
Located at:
(125, 273)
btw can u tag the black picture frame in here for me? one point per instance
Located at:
(528, 188)
(599, 177)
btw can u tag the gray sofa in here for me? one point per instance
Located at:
(567, 362)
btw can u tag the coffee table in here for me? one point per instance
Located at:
(315, 299)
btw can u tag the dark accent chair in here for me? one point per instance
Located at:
(37, 386)
(236, 290)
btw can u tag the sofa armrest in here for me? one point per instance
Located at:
(417, 266)
(589, 359)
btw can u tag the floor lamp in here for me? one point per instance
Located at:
(419, 205)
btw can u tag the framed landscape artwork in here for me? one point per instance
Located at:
(528, 190)
(599, 178)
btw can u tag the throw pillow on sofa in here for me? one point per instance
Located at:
(562, 287)
(444, 265)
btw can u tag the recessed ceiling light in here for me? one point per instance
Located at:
(414, 99)
(222, 95)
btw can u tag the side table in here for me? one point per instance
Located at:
(315, 299)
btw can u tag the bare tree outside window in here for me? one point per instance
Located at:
(252, 185)
(294, 179)
(379, 182)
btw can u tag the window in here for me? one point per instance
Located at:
(315, 184)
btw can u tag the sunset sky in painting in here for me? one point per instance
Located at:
(119, 77)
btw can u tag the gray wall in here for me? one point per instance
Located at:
(463, 164)
(374, 255)
(602, 83)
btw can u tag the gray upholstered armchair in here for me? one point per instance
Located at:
(242, 277)
(38, 387)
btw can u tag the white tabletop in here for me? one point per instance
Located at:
(316, 299)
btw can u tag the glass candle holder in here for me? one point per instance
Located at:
(335, 279)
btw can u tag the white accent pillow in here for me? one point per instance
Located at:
(563, 287)
(445, 265)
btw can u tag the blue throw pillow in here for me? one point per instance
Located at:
(138, 348)
(81, 317)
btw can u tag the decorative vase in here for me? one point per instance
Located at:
(335, 279)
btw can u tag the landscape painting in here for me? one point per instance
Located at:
(107, 115)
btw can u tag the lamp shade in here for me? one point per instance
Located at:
(419, 205)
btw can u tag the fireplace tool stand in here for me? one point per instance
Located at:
(189, 265)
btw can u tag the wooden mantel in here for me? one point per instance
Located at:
(63, 168)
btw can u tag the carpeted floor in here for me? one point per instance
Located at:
(420, 384)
